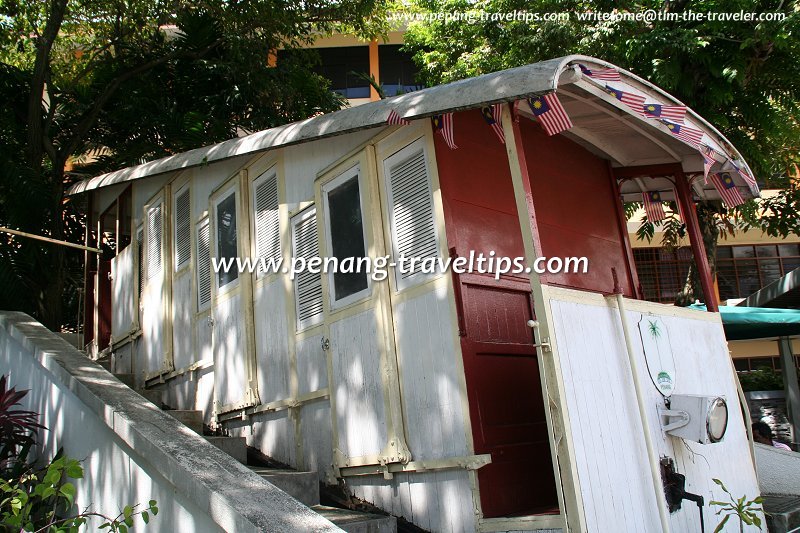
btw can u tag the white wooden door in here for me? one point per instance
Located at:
(154, 285)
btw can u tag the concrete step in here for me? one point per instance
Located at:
(783, 513)
(303, 486)
(153, 396)
(356, 522)
(236, 447)
(127, 379)
(189, 418)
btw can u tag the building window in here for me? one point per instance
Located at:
(226, 238)
(397, 70)
(345, 233)
(741, 269)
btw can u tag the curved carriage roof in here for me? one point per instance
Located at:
(602, 124)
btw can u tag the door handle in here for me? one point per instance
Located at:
(544, 344)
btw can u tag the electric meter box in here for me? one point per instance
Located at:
(707, 418)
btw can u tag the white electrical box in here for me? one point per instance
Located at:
(702, 419)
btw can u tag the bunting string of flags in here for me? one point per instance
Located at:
(690, 135)
(653, 206)
(395, 119)
(723, 182)
(675, 113)
(443, 124)
(491, 114)
(634, 101)
(606, 74)
(744, 174)
(708, 160)
(550, 113)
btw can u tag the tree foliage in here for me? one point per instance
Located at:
(741, 76)
(100, 84)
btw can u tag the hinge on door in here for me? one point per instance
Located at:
(544, 343)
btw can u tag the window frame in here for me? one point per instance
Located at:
(179, 268)
(204, 221)
(269, 173)
(354, 172)
(221, 196)
(308, 323)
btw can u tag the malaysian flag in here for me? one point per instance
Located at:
(634, 101)
(653, 206)
(674, 113)
(491, 115)
(726, 188)
(606, 74)
(684, 133)
(550, 113)
(708, 161)
(444, 124)
(395, 119)
(744, 174)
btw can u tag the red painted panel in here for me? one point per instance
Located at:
(575, 209)
(503, 384)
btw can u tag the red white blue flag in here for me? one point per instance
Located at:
(492, 114)
(634, 101)
(690, 135)
(395, 119)
(550, 113)
(675, 113)
(653, 206)
(444, 124)
(742, 171)
(726, 188)
(606, 74)
(708, 161)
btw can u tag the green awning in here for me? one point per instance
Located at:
(743, 323)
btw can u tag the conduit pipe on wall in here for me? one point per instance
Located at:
(655, 468)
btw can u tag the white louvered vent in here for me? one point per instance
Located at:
(203, 264)
(267, 220)
(140, 251)
(154, 239)
(183, 241)
(307, 286)
(411, 206)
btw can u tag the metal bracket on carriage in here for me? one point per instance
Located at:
(544, 344)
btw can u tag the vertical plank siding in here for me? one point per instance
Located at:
(272, 343)
(611, 459)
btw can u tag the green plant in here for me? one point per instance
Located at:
(762, 379)
(747, 511)
(17, 428)
(41, 500)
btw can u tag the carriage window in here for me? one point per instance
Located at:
(226, 238)
(346, 236)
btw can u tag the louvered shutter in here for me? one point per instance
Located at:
(203, 264)
(140, 250)
(154, 235)
(183, 241)
(267, 221)
(411, 211)
(307, 286)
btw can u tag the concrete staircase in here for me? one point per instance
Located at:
(303, 486)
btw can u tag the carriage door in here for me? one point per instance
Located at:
(153, 292)
(506, 401)
(231, 323)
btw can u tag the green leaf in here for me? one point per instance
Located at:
(127, 511)
(122, 528)
(721, 525)
(757, 521)
(145, 517)
(74, 470)
(154, 509)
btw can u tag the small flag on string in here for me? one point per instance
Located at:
(634, 101)
(684, 133)
(492, 114)
(708, 161)
(726, 188)
(395, 119)
(550, 113)
(744, 174)
(607, 74)
(674, 113)
(678, 205)
(444, 124)
(653, 206)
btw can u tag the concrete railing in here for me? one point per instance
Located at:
(133, 452)
(778, 470)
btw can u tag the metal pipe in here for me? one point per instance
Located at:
(52, 241)
(655, 469)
